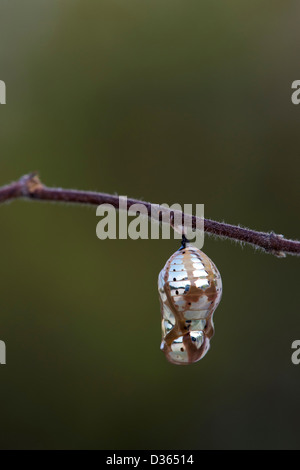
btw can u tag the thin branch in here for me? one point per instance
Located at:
(30, 187)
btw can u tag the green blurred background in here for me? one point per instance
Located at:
(168, 101)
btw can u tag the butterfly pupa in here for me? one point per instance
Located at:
(190, 289)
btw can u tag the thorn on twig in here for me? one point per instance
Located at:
(30, 184)
(273, 240)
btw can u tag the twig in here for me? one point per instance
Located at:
(30, 187)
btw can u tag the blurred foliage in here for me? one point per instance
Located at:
(169, 102)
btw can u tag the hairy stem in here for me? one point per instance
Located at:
(30, 187)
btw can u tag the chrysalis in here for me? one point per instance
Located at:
(190, 289)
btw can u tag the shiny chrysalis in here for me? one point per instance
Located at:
(190, 289)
